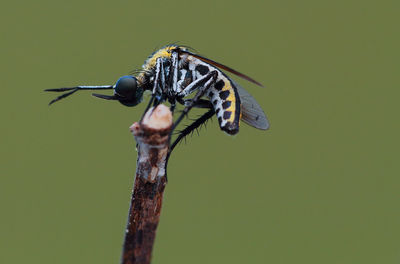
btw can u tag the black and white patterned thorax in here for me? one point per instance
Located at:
(182, 75)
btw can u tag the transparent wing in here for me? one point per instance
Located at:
(223, 67)
(252, 113)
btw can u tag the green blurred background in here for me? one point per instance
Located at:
(321, 186)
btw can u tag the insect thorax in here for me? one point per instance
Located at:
(222, 94)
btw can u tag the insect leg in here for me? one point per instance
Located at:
(172, 81)
(162, 79)
(202, 86)
(172, 108)
(195, 85)
(155, 88)
(196, 124)
(173, 73)
(201, 103)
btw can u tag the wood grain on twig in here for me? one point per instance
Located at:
(152, 143)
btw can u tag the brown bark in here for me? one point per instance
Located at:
(152, 143)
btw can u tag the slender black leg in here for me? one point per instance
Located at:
(201, 103)
(193, 126)
(189, 129)
(172, 108)
(147, 107)
(202, 84)
(197, 123)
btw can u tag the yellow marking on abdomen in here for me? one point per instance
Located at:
(231, 97)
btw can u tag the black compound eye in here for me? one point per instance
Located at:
(127, 92)
(126, 87)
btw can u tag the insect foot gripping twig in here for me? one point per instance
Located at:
(152, 143)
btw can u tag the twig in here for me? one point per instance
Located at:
(152, 143)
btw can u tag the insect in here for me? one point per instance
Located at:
(173, 74)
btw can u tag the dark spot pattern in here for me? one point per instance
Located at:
(210, 94)
(219, 85)
(203, 70)
(224, 94)
(226, 104)
(217, 111)
(219, 119)
(227, 114)
(215, 102)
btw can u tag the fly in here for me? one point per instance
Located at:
(172, 74)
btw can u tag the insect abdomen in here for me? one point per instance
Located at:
(223, 96)
(226, 103)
